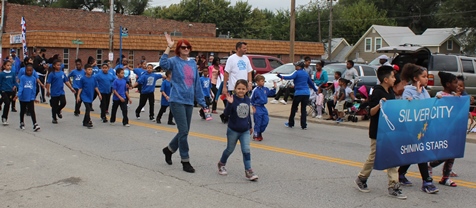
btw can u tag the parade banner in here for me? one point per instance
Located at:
(23, 37)
(417, 131)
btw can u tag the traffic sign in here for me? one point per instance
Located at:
(78, 42)
(124, 32)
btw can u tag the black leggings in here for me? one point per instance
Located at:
(214, 90)
(330, 107)
(7, 98)
(105, 101)
(143, 99)
(57, 104)
(30, 107)
(123, 105)
(423, 167)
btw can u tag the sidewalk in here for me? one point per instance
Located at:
(282, 111)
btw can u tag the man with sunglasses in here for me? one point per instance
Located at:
(237, 67)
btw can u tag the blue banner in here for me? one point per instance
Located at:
(417, 131)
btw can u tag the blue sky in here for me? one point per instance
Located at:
(261, 4)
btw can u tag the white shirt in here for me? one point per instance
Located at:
(351, 75)
(237, 68)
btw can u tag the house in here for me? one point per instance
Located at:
(339, 48)
(438, 40)
(55, 29)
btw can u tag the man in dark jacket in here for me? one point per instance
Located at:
(40, 66)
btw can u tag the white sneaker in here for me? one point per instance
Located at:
(4, 122)
(283, 102)
(274, 101)
(222, 169)
(36, 127)
(318, 117)
(142, 110)
(127, 125)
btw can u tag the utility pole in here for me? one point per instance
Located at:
(319, 21)
(1, 29)
(292, 30)
(329, 49)
(111, 31)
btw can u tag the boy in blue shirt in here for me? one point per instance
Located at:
(206, 89)
(147, 80)
(259, 98)
(77, 74)
(120, 97)
(105, 80)
(27, 95)
(87, 86)
(8, 86)
(164, 101)
(55, 89)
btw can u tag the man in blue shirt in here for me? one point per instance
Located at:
(105, 80)
(87, 86)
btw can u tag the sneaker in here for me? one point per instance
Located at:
(138, 116)
(54, 121)
(142, 110)
(453, 174)
(222, 169)
(339, 120)
(255, 138)
(90, 125)
(4, 122)
(36, 127)
(304, 128)
(168, 155)
(112, 123)
(287, 125)
(60, 116)
(396, 192)
(319, 117)
(22, 126)
(283, 102)
(362, 185)
(151, 118)
(104, 120)
(158, 121)
(14, 110)
(127, 125)
(251, 175)
(447, 182)
(76, 114)
(259, 138)
(274, 101)
(404, 181)
(428, 187)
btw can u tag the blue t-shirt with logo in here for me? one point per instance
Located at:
(88, 85)
(206, 87)
(27, 88)
(77, 75)
(56, 80)
(148, 82)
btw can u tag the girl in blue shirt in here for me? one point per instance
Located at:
(87, 87)
(164, 100)
(26, 95)
(55, 88)
(8, 87)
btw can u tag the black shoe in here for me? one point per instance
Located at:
(14, 110)
(54, 121)
(158, 121)
(104, 120)
(171, 123)
(90, 125)
(168, 155)
(152, 118)
(76, 114)
(92, 109)
(60, 116)
(187, 167)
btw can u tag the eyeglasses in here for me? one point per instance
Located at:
(185, 47)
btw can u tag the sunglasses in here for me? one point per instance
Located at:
(185, 47)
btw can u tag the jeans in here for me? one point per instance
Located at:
(123, 105)
(30, 107)
(299, 100)
(232, 138)
(106, 99)
(57, 104)
(142, 100)
(87, 114)
(77, 105)
(183, 117)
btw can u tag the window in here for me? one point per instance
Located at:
(444, 63)
(259, 62)
(467, 65)
(99, 56)
(368, 71)
(66, 58)
(449, 45)
(368, 44)
(274, 63)
(378, 43)
(131, 59)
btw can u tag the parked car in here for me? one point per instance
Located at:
(455, 64)
(260, 64)
(285, 70)
(367, 74)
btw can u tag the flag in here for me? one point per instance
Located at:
(23, 37)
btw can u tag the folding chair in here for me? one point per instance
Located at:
(472, 124)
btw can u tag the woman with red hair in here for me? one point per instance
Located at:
(185, 89)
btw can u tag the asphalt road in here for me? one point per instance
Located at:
(67, 165)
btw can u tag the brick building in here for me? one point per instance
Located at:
(56, 28)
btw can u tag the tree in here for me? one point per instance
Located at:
(354, 20)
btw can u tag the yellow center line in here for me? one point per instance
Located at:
(462, 183)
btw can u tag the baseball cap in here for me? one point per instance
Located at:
(383, 57)
(13, 51)
(299, 63)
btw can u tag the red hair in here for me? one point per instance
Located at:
(179, 43)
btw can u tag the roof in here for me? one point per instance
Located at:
(392, 34)
(50, 39)
(431, 37)
(340, 57)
